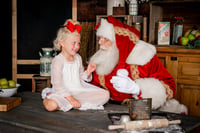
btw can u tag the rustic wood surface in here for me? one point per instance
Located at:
(184, 65)
(31, 117)
(7, 103)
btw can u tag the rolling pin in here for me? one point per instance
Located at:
(144, 124)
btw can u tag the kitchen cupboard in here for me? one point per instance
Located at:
(184, 66)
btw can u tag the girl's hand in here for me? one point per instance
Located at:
(91, 68)
(74, 102)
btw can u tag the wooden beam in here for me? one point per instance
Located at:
(74, 9)
(24, 76)
(14, 39)
(28, 62)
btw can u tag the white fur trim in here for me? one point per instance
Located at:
(174, 106)
(152, 88)
(106, 30)
(141, 54)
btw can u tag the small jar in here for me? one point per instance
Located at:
(45, 61)
(133, 7)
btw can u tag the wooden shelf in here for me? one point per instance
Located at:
(167, 11)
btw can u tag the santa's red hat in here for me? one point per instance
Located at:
(124, 36)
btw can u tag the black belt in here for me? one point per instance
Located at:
(124, 102)
(115, 102)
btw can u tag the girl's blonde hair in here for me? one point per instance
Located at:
(63, 33)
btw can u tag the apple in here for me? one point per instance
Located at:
(179, 40)
(198, 38)
(11, 83)
(191, 37)
(4, 86)
(3, 81)
(184, 41)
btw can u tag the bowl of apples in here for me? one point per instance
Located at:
(8, 87)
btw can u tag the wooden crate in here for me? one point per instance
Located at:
(40, 82)
(167, 10)
(119, 11)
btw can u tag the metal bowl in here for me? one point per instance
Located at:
(116, 117)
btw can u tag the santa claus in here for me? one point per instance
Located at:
(129, 67)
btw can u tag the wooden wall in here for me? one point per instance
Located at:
(88, 9)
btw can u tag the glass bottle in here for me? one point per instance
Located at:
(177, 29)
(133, 7)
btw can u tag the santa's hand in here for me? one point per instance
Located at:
(125, 85)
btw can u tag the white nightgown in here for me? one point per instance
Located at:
(68, 78)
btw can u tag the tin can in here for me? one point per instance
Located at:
(140, 109)
(163, 33)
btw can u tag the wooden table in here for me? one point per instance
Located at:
(31, 117)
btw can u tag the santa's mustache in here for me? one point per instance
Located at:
(105, 60)
(103, 48)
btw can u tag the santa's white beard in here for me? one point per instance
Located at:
(105, 60)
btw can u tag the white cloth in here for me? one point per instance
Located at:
(67, 79)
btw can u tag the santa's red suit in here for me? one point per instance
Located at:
(140, 60)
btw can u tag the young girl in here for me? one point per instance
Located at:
(69, 89)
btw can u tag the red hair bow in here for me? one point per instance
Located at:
(73, 27)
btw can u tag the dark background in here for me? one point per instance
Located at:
(6, 39)
(37, 25)
(38, 22)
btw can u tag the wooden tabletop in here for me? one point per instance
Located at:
(31, 116)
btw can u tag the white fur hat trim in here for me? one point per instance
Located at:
(106, 30)
(142, 53)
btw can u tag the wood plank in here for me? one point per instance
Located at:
(172, 66)
(28, 62)
(7, 103)
(195, 99)
(74, 9)
(14, 39)
(24, 76)
(31, 117)
(176, 49)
